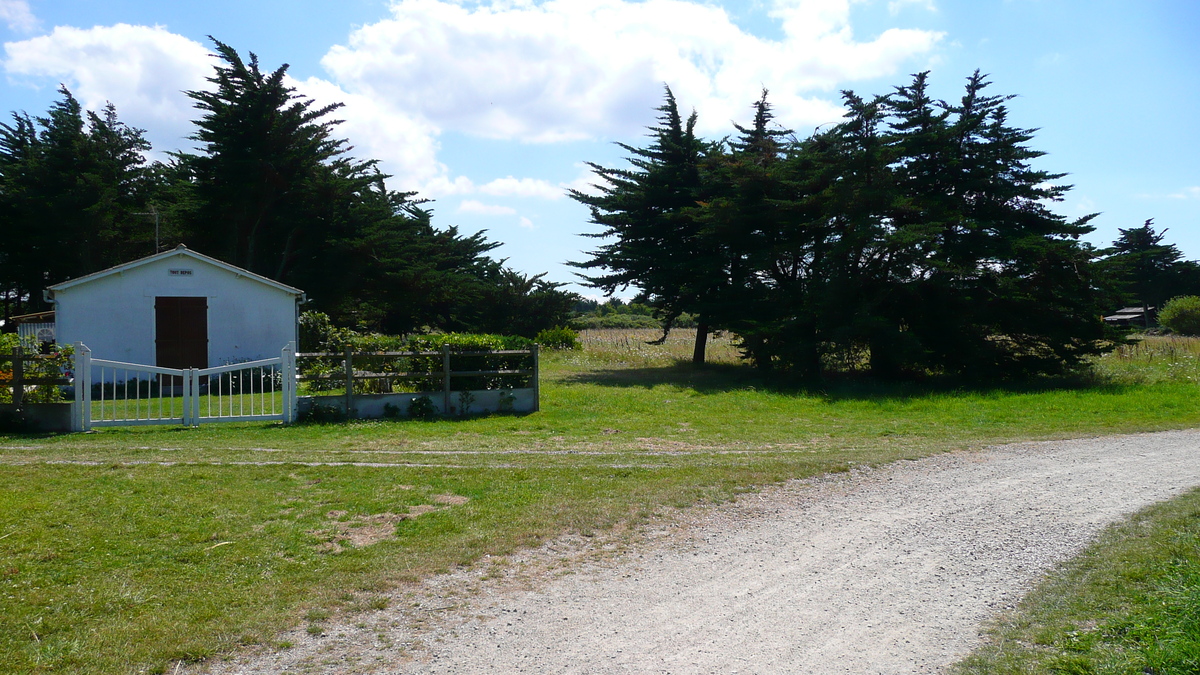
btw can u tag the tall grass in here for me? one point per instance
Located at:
(631, 347)
(1153, 359)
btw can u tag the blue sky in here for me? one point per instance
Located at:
(490, 108)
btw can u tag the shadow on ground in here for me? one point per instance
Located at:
(722, 378)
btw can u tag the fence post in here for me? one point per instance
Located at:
(445, 379)
(186, 382)
(83, 388)
(18, 376)
(537, 392)
(349, 382)
(191, 400)
(287, 369)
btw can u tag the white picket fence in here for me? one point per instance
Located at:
(113, 393)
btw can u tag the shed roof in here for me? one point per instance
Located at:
(36, 317)
(181, 251)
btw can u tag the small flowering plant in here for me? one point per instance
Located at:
(55, 364)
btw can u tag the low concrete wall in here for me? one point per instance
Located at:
(372, 406)
(45, 416)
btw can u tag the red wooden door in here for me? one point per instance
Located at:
(181, 332)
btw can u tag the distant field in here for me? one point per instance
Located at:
(126, 550)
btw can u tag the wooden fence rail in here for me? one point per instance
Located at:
(17, 381)
(446, 374)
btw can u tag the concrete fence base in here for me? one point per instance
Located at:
(375, 406)
(44, 416)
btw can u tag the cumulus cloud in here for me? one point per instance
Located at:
(406, 147)
(526, 70)
(896, 6)
(525, 223)
(522, 187)
(479, 208)
(17, 15)
(580, 69)
(142, 70)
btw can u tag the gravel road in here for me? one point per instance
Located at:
(891, 570)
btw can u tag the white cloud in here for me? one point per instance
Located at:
(406, 147)
(577, 69)
(479, 208)
(142, 70)
(526, 223)
(1187, 193)
(585, 182)
(509, 69)
(17, 15)
(522, 187)
(897, 6)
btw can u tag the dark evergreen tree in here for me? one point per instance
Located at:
(273, 190)
(1006, 286)
(1148, 272)
(747, 204)
(72, 187)
(915, 234)
(520, 304)
(646, 212)
(267, 169)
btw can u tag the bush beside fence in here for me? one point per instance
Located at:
(453, 377)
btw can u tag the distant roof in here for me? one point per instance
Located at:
(182, 251)
(36, 317)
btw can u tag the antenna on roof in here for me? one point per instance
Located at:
(152, 212)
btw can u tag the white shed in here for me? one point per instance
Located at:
(177, 309)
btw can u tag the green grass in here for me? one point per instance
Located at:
(1129, 604)
(167, 407)
(128, 549)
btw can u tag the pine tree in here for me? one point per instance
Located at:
(656, 243)
(72, 184)
(743, 218)
(267, 158)
(1003, 283)
(1147, 271)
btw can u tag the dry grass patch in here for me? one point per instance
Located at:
(368, 529)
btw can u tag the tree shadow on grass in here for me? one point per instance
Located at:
(722, 378)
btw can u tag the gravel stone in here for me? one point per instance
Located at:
(888, 570)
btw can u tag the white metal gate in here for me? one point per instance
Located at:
(113, 393)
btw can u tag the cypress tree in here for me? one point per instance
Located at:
(656, 244)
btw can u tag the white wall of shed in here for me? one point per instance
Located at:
(114, 315)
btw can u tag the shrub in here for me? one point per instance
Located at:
(422, 408)
(1181, 315)
(372, 343)
(318, 334)
(322, 413)
(558, 338)
(57, 363)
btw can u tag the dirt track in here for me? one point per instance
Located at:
(884, 571)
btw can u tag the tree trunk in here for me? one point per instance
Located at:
(701, 341)
(884, 360)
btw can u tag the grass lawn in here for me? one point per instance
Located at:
(1129, 604)
(128, 549)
